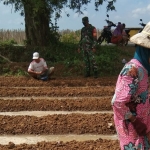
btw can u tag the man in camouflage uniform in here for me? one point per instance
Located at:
(87, 45)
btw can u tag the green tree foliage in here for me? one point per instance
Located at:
(39, 28)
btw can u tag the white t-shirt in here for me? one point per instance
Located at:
(37, 66)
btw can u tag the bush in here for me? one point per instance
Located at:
(108, 57)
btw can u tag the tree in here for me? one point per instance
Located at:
(38, 14)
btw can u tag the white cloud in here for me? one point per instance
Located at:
(148, 7)
(141, 11)
(117, 17)
(93, 16)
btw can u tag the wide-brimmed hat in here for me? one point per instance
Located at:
(142, 38)
(35, 55)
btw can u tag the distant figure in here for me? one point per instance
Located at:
(38, 68)
(88, 44)
(125, 36)
(119, 35)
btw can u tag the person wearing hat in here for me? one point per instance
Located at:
(87, 45)
(38, 68)
(130, 103)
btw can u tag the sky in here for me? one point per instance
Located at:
(127, 11)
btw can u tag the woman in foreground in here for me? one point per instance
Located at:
(131, 104)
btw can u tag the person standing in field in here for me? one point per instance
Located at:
(131, 102)
(87, 45)
(38, 68)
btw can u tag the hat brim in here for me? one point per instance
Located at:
(35, 57)
(141, 39)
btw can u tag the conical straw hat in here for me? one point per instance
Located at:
(142, 38)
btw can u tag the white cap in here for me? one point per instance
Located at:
(35, 55)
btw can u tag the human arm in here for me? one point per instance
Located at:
(94, 34)
(138, 125)
(31, 70)
(44, 68)
(34, 72)
(136, 121)
(126, 99)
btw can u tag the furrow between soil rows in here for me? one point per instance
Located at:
(84, 104)
(57, 91)
(65, 82)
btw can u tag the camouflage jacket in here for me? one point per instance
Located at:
(87, 39)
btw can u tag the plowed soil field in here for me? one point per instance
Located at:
(76, 111)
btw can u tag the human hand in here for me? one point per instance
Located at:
(132, 106)
(139, 126)
(39, 73)
(94, 50)
(78, 50)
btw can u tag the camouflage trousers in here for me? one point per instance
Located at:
(90, 62)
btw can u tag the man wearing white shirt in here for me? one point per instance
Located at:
(38, 68)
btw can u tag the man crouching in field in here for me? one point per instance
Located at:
(38, 68)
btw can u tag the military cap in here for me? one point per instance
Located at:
(85, 19)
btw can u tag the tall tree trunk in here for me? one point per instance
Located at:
(36, 22)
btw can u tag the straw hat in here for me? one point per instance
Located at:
(142, 38)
